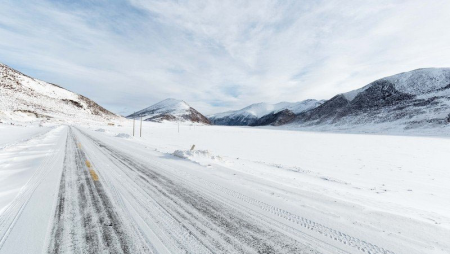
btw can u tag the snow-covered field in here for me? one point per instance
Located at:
(331, 192)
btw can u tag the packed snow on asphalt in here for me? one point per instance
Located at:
(210, 189)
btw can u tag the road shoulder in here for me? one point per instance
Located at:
(24, 223)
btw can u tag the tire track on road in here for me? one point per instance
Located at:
(86, 220)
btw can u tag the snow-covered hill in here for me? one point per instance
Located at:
(250, 114)
(170, 110)
(415, 99)
(29, 99)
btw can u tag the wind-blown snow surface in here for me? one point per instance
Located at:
(12, 178)
(27, 161)
(23, 98)
(388, 190)
(13, 134)
(170, 110)
(250, 114)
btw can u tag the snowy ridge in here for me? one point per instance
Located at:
(414, 82)
(173, 106)
(26, 98)
(254, 110)
(421, 81)
(250, 114)
(170, 110)
(352, 94)
(411, 100)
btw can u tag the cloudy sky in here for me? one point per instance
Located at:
(220, 55)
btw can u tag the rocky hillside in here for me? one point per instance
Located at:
(170, 110)
(275, 119)
(263, 113)
(25, 98)
(415, 99)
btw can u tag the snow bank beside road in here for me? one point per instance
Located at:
(13, 134)
(27, 160)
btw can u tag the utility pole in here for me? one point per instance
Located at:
(133, 123)
(140, 133)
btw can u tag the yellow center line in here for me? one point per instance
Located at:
(93, 174)
(89, 165)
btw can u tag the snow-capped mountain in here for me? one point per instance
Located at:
(170, 110)
(250, 114)
(275, 118)
(419, 98)
(25, 98)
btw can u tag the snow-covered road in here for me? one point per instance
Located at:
(107, 195)
(185, 215)
(86, 219)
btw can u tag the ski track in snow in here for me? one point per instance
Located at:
(112, 202)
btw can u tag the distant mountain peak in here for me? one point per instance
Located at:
(171, 101)
(170, 110)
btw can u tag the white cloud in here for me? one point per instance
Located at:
(220, 55)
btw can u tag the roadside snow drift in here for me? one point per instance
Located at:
(203, 157)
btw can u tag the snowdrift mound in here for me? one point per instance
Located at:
(202, 157)
(123, 135)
